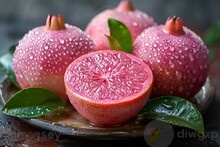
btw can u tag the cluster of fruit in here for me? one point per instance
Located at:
(109, 87)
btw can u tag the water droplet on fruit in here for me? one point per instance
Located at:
(176, 57)
(165, 47)
(180, 89)
(191, 86)
(139, 16)
(201, 67)
(36, 33)
(178, 75)
(46, 47)
(172, 49)
(200, 78)
(155, 45)
(171, 64)
(180, 63)
(134, 24)
(31, 57)
(194, 71)
(191, 57)
(194, 80)
(193, 45)
(194, 50)
(186, 48)
(62, 41)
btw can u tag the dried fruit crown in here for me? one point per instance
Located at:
(125, 5)
(55, 23)
(174, 26)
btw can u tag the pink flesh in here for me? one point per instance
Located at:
(108, 76)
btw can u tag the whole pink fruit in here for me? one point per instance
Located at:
(135, 20)
(44, 53)
(177, 56)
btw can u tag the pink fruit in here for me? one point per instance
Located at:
(108, 87)
(135, 20)
(177, 56)
(44, 53)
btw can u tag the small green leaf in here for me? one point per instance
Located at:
(11, 49)
(7, 67)
(212, 35)
(33, 102)
(114, 45)
(121, 33)
(174, 110)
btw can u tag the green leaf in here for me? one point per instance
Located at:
(33, 102)
(212, 35)
(121, 33)
(114, 45)
(12, 48)
(174, 110)
(7, 67)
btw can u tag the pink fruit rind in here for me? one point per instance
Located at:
(107, 111)
(180, 63)
(115, 114)
(42, 56)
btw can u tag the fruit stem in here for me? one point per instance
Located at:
(174, 26)
(55, 23)
(125, 5)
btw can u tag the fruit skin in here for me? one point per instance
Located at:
(179, 60)
(135, 20)
(107, 112)
(42, 55)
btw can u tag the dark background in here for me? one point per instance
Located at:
(18, 16)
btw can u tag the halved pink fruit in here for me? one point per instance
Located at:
(108, 87)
